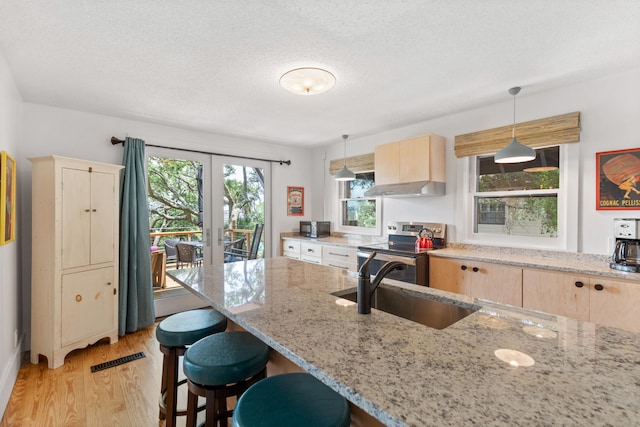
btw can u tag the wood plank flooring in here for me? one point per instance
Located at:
(124, 395)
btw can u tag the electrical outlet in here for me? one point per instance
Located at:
(15, 338)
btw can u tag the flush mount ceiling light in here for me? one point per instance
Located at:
(307, 81)
(345, 174)
(515, 152)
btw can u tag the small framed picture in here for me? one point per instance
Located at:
(618, 180)
(295, 201)
(7, 198)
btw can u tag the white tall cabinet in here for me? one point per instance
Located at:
(74, 273)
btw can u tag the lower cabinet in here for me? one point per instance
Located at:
(89, 305)
(557, 293)
(291, 248)
(495, 282)
(609, 302)
(311, 252)
(340, 257)
(344, 257)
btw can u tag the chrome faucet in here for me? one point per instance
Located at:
(366, 288)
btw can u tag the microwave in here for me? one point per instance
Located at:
(315, 229)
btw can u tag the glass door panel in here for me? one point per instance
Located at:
(179, 212)
(242, 215)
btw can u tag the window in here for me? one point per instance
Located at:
(518, 198)
(357, 213)
(523, 204)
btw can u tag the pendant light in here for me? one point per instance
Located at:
(515, 152)
(345, 174)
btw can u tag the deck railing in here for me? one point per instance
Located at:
(230, 234)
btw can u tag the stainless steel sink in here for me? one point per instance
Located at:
(435, 312)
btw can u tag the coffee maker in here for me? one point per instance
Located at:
(626, 255)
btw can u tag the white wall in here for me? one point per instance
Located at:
(11, 307)
(610, 110)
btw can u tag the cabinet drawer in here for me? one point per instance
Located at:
(310, 250)
(291, 255)
(310, 258)
(291, 246)
(338, 263)
(337, 253)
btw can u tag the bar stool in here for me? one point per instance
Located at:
(174, 334)
(296, 399)
(221, 366)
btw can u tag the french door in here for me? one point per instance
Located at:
(209, 201)
(242, 190)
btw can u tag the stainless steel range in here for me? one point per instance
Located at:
(401, 246)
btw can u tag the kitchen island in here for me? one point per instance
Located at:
(403, 373)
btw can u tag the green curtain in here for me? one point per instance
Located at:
(136, 308)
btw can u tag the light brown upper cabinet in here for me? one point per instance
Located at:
(411, 160)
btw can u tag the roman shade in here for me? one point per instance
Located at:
(554, 130)
(356, 164)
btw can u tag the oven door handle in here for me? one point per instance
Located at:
(386, 257)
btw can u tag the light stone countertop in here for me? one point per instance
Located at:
(351, 240)
(407, 374)
(570, 262)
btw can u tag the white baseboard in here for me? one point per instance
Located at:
(9, 375)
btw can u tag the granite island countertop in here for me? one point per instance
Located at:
(407, 374)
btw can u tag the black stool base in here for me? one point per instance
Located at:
(217, 412)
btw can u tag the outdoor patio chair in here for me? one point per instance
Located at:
(252, 253)
(187, 255)
(233, 249)
(170, 250)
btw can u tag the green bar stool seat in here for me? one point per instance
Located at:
(220, 366)
(174, 334)
(296, 399)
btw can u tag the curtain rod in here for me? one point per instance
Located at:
(116, 141)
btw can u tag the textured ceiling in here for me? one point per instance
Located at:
(215, 65)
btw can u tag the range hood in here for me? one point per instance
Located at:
(408, 189)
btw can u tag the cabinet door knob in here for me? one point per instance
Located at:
(463, 267)
(78, 298)
(579, 284)
(475, 269)
(598, 287)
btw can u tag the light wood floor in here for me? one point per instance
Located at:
(124, 395)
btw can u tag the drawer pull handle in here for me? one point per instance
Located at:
(333, 253)
(598, 287)
(290, 247)
(339, 266)
(475, 269)
(310, 250)
(579, 284)
(463, 267)
(78, 298)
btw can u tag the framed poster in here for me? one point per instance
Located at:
(295, 201)
(618, 180)
(7, 198)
